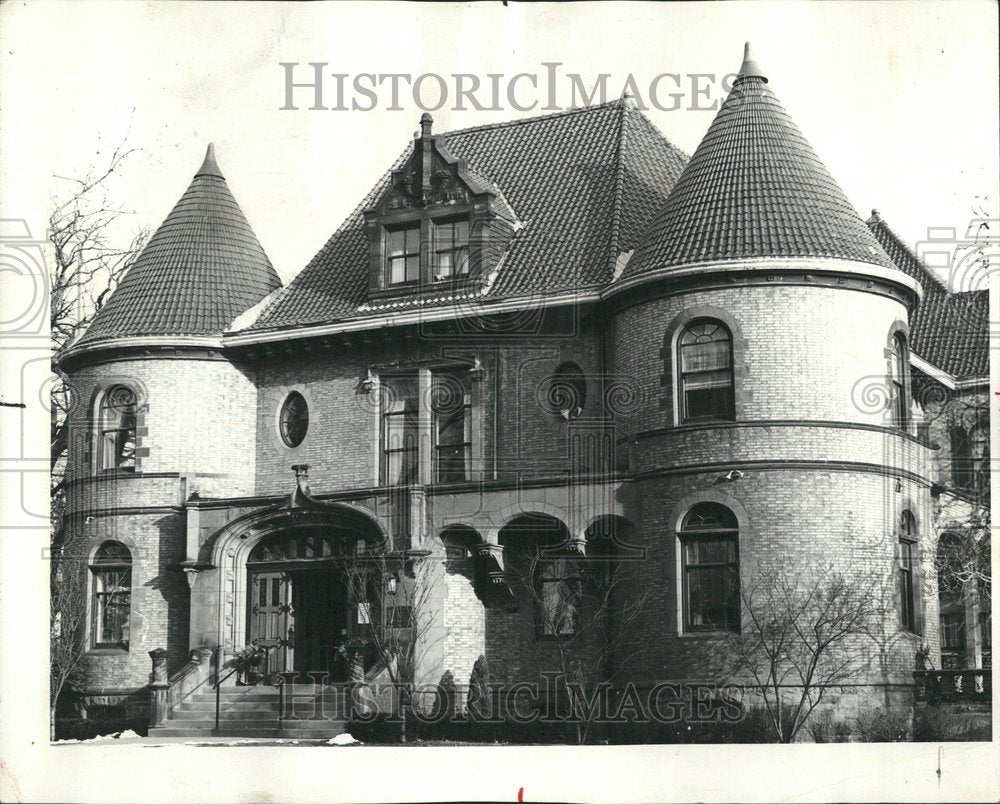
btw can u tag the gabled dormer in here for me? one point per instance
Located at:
(438, 226)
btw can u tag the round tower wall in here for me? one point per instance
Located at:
(801, 353)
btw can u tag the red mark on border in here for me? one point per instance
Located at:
(520, 795)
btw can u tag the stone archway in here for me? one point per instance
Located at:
(283, 539)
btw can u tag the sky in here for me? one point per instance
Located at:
(898, 99)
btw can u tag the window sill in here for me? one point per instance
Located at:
(706, 634)
(108, 650)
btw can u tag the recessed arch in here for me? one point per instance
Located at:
(229, 551)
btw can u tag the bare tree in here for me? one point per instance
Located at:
(585, 607)
(801, 635)
(90, 256)
(67, 629)
(395, 596)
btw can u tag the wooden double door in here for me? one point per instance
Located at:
(304, 614)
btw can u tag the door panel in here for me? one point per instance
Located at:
(272, 617)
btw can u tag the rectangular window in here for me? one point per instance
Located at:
(112, 602)
(451, 407)
(399, 430)
(402, 255)
(451, 250)
(711, 583)
(399, 616)
(953, 631)
(907, 608)
(559, 597)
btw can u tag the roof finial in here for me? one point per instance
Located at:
(210, 167)
(426, 121)
(749, 68)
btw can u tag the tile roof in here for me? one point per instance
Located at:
(201, 268)
(584, 184)
(754, 187)
(949, 330)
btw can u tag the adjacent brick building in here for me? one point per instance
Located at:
(555, 330)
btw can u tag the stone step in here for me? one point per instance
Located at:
(185, 731)
(259, 713)
(208, 725)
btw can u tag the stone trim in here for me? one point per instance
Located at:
(719, 425)
(777, 465)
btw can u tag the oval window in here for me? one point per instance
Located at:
(294, 419)
(565, 392)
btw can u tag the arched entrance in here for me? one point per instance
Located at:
(304, 601)
(293, 577)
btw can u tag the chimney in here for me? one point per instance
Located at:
(427, 146)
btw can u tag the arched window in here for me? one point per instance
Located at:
(710, 568)
(897, 381)
(565, 392)
(907, 571)
(116, 430)
(112, 599)
(705, 357)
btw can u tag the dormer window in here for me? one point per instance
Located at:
(402, 255)
(437, 223)
(451, 250)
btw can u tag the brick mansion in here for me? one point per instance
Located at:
(559, 333)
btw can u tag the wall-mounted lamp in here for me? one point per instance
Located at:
(368, 383)
(477, 371)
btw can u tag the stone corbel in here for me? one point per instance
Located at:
(192, 568)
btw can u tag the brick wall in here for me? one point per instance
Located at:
(342, 442)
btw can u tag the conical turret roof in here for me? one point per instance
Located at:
(754, 188)
(202, 268)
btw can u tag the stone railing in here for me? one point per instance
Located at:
(166, 693)
(954, 686)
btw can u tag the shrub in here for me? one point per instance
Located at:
(884, 725)
(80, 729)
(385, 729)
(824, 729)
(941, 724)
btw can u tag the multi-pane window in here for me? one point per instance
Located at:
(559, 597)
(400, 415)
(953, 631)
(451, 249)
(906, 567)
(970, 457)
(897, 381)
(402, 255)
(979, 449)
(112, 578)
(706, 371)
(116, 430)
(709, 538)
(451, 406)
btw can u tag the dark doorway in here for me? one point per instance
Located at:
(303, 614)
(319, 609)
